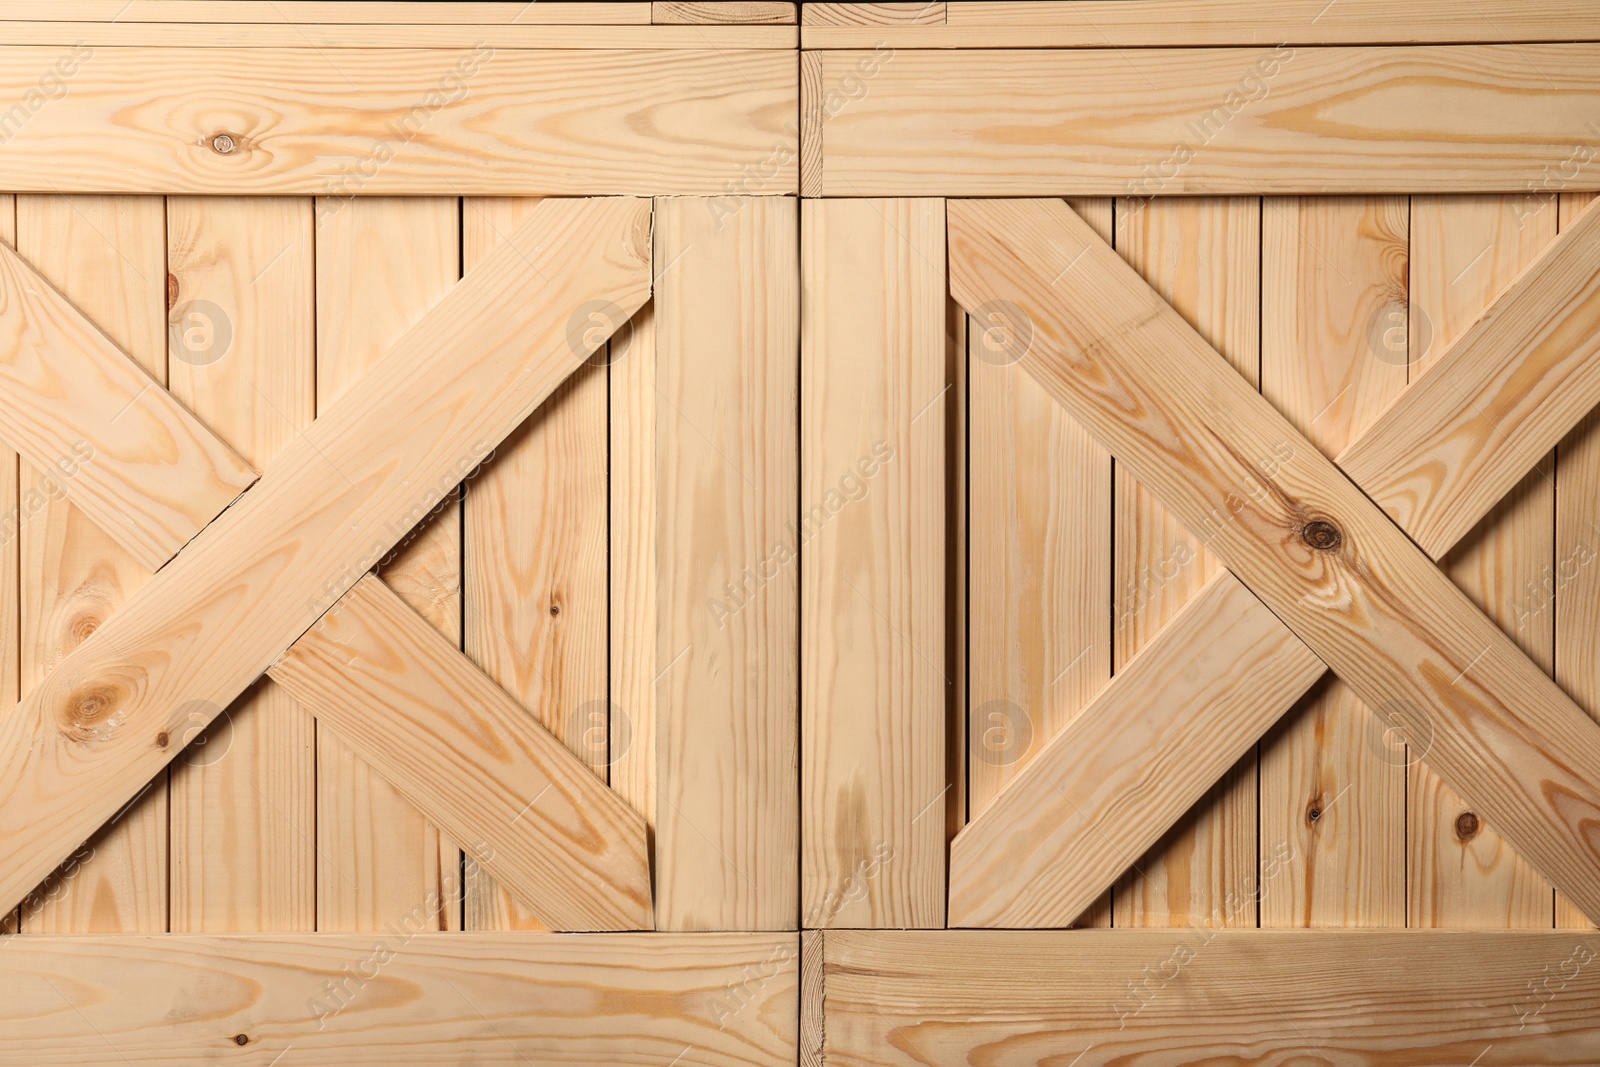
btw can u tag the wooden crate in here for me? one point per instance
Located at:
(756, 533)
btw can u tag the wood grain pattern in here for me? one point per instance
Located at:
(126, 455)
(381, 263)
(107, 255)
(1334, 273)
(1465, 252)
(1039, 122)
(745, 12)
(401, 997)
(312, 12)
(905, 13)
(344, 38)
(446, 122)
(1504, 735)
(1487, 426)
(874, 396)
(242, 355)
(1203, 256)
(727, 319)
(1101, 998)
(534, 527)
(460, 380)
(528, 810)
(1184, 23)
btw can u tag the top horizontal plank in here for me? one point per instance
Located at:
(334, 35)
(1187, 23)
(446, 122)
(1235, 121)
(380, 12)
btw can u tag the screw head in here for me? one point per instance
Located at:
(223, 143)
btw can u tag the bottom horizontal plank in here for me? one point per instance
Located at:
(398, 998)
(1169, 997)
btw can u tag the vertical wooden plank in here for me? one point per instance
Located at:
(106, 255)
(536, 616)
(382, 262)
(632, 371)
(1464, 251)
(1040, 564)
(1572, 586)
(874, 404)
(727, 351)
(1203, 254)
(242, 356)
(1333, 288)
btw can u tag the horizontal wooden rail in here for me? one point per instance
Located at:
(1097, 998)
(1278, 119)
(1162, 732)
(397, 996)
(118, 707)
(1291, 527)
(373, 12)
(358, 35)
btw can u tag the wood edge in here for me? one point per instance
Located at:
(813, 1009)
(713, 14)
(811, 157)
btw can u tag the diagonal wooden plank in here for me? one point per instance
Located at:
(401, 998)
(122, 450)
(527, 809)
(1170, 769)
(1089, 998)
(348, 488)
(1291, 526)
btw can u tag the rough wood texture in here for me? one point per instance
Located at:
(401, 997)
(535, 562)
(1332, 800)
(120, 449)
(1218, 120)
(264, 571)
(381, 263)
(727, 351)
(874, 686)
(1099, 998)
(107, 255)
(1504, 735)
(1186, 23)
(414, 122)
(527, 809)
(1465, 252)
(1202, 255)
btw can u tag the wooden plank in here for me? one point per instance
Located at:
(1183, 23)
(1203, 256)
(108, 254)
(255, 579)
(530, 812)
(313, 12)
(1032, 122)
(1098, 998)
(534, 524)
(903, 13)
(1569, 591)
(344, 38)
(1485, 427)
(401, 997)
(1040, 529)
(1165, 769)
(10, 591)
(1404, 635)
(242, 356)
(445, 121)
(121, 450)
(1466, 251)
(727, 318)
(874, 400)
(743, 13)
(1332, 801)
(381, 263)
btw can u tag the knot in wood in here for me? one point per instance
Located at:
(1466, 826)
(1321, 535)
(89, 712)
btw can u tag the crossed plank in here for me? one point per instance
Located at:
(242, 595)
(1348, 586)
